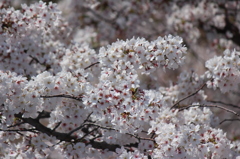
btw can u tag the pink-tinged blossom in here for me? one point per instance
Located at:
(223, 71)
(67, 84)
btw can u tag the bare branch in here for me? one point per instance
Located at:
(63, 96)
(227, 104)
(91, 65)
(229, 120)
(109, 128)
(176, 104)
(58, 124)
(16, 125)
(103, 18)
(213, 106)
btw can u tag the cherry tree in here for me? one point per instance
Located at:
(110, 79)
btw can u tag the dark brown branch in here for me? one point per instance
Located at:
(63, 136)
(19, 130)
(58, 124)
(91, 65)
(38, 127)
(43, 114)
(35, 123)
(63, 96)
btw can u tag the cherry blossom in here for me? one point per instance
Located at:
(109, 79)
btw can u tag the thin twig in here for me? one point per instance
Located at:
(16, 124)
(87, 134)
(63, 96)
(175, 105)
(227, 104)
(110, 21)
(91, 65)
(99, 16)
(82, 125)
(229, 120)
(214, 106)
(58, 124)
(109, 128)
(140, 138)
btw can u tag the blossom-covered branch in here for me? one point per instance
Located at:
(111, 79)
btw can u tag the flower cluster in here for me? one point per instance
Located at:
(30, 36)
(77, 60)
(189, 134)
(224, 71)
(141, 54)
